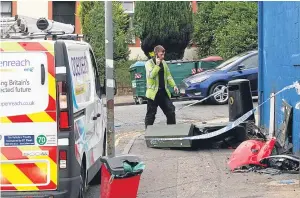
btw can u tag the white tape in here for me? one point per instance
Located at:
(297, 106)
(110, 83)
(199, 101)
(231, 125)
(109, 63)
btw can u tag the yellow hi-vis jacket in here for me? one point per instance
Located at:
(153, 81)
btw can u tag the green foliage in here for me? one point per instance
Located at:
(122, 73)
(92, 18)
(203, 28)
(225, 28)
(167, 23)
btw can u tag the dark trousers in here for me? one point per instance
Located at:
(163, 101)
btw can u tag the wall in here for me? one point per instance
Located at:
(26, 8)
(279, 47)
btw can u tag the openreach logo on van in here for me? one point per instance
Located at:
(9, 65)
(80, 68)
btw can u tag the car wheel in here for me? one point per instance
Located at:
(221, 98)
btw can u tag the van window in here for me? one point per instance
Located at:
(81, 78)
(23, 83)
(97, 76)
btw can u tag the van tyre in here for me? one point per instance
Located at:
(82, 187)
(218, 99)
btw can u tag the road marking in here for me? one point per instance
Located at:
(124, 135)
(129, 145)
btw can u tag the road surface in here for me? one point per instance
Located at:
(129, 121)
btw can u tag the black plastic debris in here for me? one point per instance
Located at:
(284, 133)
(269, 171)
(286, 163)
(275, 164)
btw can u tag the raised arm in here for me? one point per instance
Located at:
(151, 69)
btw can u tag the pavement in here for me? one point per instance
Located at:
(131, 117)
(171, 173)
(129, 122)
(122, 100)
(191, 173)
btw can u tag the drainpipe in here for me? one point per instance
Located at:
(272, 116)
(261, 61)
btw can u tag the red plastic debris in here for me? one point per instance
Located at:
(251, 152)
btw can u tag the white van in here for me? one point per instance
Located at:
(52, 117)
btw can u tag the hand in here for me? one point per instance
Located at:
(158, 61)
(176, 90)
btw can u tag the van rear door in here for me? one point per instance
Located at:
(28, 129)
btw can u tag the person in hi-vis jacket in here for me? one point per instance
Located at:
(158, 77)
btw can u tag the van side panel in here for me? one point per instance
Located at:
(88, 130)
(28, 153)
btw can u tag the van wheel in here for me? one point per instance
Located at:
(97, 178)
(82, 183)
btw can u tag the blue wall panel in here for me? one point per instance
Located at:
(279, 51)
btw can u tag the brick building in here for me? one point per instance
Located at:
(65, 11)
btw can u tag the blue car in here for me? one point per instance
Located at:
(242, 66)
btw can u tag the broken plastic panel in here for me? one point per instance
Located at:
(251, 152)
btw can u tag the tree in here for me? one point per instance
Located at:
(166, 23)
(203, 28)
(225, 28)
(92, 18)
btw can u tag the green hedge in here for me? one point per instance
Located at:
(92, 18)
(225, 28)
(122, 73)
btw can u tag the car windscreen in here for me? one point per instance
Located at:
(228, 63)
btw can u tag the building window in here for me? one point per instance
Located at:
(6, 9)
(64, 11)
